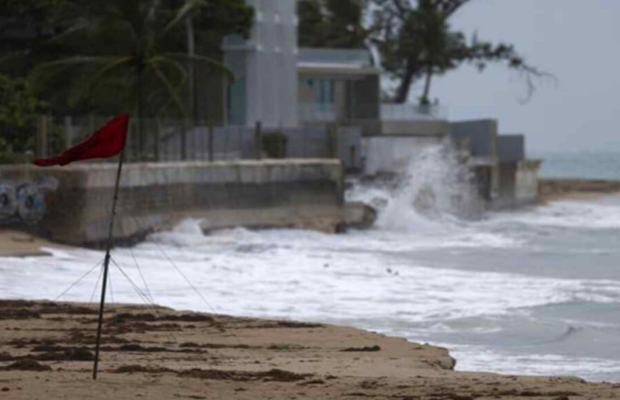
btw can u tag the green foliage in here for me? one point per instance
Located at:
(121, 60)
(273, 144)
(215, 19)
(414, 39)
(112, 55)
(333, 23)
(29, 7)
(417, 42)
(19, 108)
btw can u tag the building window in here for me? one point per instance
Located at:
(324, 93)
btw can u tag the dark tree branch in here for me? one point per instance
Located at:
(415, 41)
(449, 7)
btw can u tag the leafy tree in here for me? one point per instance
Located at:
(121, 58)
(19, 109)
(413, 38)
(417, 42)
(333, 23)
(125, 55)
(26, 27)
(104, 56)
(215, 19)
(107, 55)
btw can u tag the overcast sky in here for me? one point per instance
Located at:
(577, 40)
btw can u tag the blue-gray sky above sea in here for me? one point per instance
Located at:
(576, 40)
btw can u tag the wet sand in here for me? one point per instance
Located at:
(46, 352)
(20, 244)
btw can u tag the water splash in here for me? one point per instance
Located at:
(435, 187)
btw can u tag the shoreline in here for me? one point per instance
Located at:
(15, 243)
(159, 353)
(555, 189)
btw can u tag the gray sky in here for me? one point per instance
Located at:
(577, 41)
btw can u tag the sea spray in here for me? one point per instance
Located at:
(436, 186)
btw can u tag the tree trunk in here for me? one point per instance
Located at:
(139, 147)
(191, 52)
(424, 100)
(402, 93)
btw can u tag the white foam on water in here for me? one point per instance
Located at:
(478, 358)
(294, 275)
(589, 214)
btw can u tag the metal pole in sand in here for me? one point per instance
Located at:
(106, 264)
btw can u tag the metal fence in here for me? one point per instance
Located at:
(413, 112)
(175, 140)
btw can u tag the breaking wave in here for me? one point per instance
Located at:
(435, 188)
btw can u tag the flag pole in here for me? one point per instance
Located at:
(106, 263)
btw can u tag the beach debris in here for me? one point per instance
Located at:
(147, 317)
(142, 349)
(294, 325)
(130, 369)
(59, 353)
(27, 365)
(312, 382)
(362, 349)
(188, 345)
(19, 314)
(272, 375)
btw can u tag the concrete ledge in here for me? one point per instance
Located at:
(272, 193)
(437, 128)
(556, 189)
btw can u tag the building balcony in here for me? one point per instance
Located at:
(347, 58)
(413, 112)
(330, 112)
(311, 112)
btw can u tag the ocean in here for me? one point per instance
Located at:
(584, 165)
(534, 291)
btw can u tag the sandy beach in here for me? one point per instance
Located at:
(157, 353)
(21, 244)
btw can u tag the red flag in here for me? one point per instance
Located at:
(107, 142)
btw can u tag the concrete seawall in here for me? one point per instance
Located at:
(554, 189)
(153, 196)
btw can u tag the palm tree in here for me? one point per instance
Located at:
(126, 58)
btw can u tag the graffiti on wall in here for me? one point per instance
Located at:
(24, 201)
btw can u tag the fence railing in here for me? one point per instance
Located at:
(176, 140)
(413, 112)
(330, 112)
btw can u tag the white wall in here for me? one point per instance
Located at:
(392, 154)
(271, 65)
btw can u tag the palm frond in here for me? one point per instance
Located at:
(79, 26)
(96, 79)
(171, 90)
(171, 62)
(182, 13)
(46, 71)
(218, 66)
